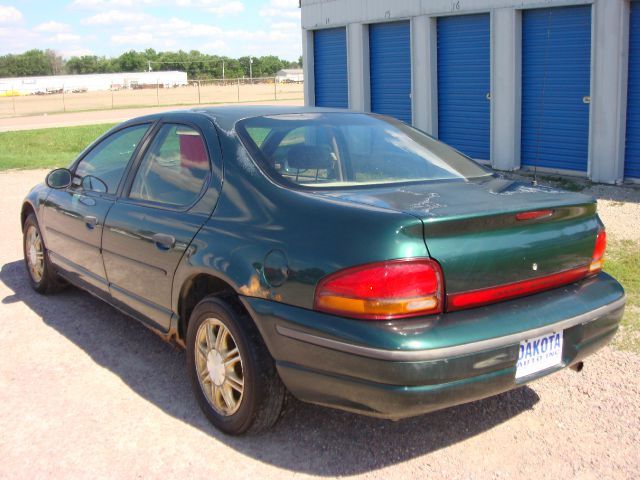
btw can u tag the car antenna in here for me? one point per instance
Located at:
(544, 84)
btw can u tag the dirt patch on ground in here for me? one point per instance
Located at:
(193, 94)
(71, 119)
(87, 392)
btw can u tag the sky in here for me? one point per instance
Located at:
(110, 27)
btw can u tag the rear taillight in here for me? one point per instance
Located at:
(597, 260)
(383, 291)
(485, 296)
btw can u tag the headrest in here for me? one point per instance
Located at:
(304, 157)
(192, 150)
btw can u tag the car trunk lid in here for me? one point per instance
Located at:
(476, 230)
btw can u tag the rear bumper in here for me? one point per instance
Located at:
(405, 368)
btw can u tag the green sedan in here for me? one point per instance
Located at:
(344, 258)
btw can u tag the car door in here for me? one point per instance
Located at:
(74, 217)
(169, 195)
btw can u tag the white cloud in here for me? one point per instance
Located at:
(137, 39)
(286, 26)
(285, 9)
(214, 47)
(285, 4)
(274, 12)
(178, 28)
(119, 25)
(101, 4)
(217, 7)
(64, 38)
(74, 51)
(9, 14)
(228, 8)
(115, 17)
(51, 27)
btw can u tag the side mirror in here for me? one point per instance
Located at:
(59, 178)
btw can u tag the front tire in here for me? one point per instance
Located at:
(232, 374)
(42, 275)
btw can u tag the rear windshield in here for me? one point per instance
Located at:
(348, 149)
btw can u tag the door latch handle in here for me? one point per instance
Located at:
(90, 221)
(163, 241)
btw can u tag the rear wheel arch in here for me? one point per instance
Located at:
(198, 287)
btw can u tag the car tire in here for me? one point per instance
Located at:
(232, 374)
(41, 272)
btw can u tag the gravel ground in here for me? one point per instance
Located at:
(619, 208)
(89, 393)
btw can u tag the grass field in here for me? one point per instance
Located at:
(622, 261)
(46, 148)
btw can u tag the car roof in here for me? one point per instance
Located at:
(227, 116)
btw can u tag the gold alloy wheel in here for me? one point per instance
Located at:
(35, 253)
(219, 367)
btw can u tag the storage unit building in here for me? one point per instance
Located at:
(551, 85)
(390, 66)
(330, 72)
(632, 151)
(464, 83)
(556, 75)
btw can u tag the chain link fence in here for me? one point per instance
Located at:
(13, 103)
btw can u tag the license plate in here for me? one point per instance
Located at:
(539, 353)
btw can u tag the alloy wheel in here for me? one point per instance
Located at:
(219, 367)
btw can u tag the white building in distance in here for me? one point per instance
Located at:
(290, 75)
(90, 82)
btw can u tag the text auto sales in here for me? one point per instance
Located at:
(545, 346)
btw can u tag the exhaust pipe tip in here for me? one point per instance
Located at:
(577, 367)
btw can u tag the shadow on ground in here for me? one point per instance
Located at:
(308, 439)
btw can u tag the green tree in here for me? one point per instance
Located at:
(31, 63)
(198, 65)
(132, 61)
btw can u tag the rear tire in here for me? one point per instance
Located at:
(42, 274)
(232, 374)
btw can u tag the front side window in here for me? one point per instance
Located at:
(174, 169)
(102, 168)
(349, 149)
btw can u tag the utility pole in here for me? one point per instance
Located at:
(149, 65)
(250, 69)
(223, 70)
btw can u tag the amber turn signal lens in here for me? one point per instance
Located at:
(597, 261)
(383, 291)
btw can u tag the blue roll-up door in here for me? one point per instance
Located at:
(464, 78)
(556, 77)
(390, 69)
(330, 68)
(632, 156)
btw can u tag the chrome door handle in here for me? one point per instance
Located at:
(90, 221)
(163, 241)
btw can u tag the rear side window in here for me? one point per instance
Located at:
(109, 158)
(174, 169)
(349, 149)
